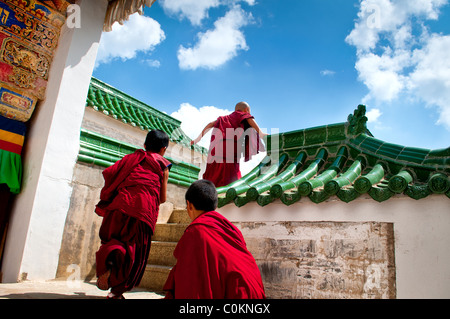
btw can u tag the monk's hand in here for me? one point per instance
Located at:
(195, 141)
(263, 135)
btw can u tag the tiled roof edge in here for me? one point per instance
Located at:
(331, 134)
(110, 101)
(104, 151)
(402, 155)
(134, 101)
(342, 160)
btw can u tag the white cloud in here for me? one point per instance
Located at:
(217, 46)
(431, 77)
(373, 115)
(194, 10)
(327, 72)
(376, 17)
(152, 63)
(246, 167)
(249, 2)
(139, 33)
(382, 74)
(392, 60)
(193, 120)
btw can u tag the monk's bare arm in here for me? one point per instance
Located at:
(205, 130)
(253, 124)
(163, 192)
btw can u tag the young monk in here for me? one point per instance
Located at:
(212, 258)
(229, 133)
(129, 203)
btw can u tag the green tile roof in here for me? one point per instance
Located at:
(110, 101)
(342, 160)
(104, 151)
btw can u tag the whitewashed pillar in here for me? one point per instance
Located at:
(39, 212)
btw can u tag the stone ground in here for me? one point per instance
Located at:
(65, 290)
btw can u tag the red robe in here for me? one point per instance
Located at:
(129, 205)
(213, 263)
(132, 186)
(225, 149)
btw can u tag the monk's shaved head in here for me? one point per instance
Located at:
(242, 106)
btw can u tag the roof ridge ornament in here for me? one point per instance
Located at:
(357, 121)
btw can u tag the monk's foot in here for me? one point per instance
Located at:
(103, 280)
(113, 296)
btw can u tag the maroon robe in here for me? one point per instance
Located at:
(129, 204)
(229, 135)
(213, 263)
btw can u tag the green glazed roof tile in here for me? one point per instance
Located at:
(120, 106)
(334, 186)
(342, 160)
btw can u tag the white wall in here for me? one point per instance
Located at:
(51, 149)
(421, 230)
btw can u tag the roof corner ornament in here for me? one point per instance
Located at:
(357, 121)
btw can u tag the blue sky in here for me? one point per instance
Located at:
(297, 63)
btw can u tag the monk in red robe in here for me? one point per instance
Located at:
(129, 204)
(212, 258)
(232, 136)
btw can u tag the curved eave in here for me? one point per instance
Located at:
(327, 161)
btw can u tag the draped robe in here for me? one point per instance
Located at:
(213, 263)
(231, 137)
(129, 205)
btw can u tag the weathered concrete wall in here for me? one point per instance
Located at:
(420, 231)
(323, 259)
(80, 239)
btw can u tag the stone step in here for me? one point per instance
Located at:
(169, 232)
(155, 277)
(179, 216)
(161, 253)
(164, 240)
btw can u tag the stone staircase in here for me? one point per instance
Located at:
(164, 241)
